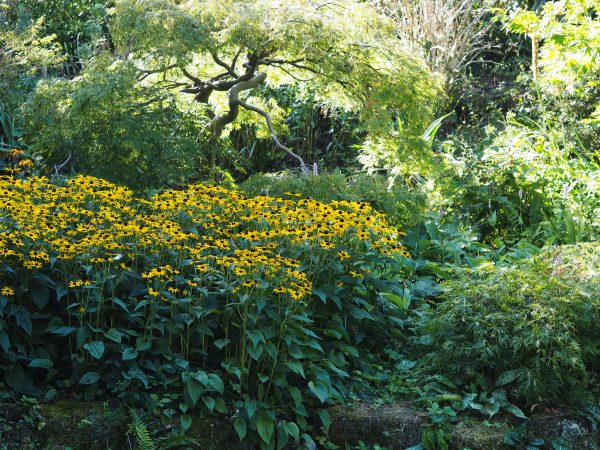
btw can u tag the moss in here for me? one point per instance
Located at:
(394, 426)
(473, 434)
(83, 425)
(215, 434)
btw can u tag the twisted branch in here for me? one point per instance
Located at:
(234, 107)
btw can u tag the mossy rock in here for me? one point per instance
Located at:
(64, 424)
(567, 429)
(392, 426)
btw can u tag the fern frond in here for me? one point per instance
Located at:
(143, 440)
(168, 442)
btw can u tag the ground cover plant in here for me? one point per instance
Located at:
(192, 300)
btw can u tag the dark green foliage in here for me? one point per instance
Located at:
(403, 206)
(531, 328)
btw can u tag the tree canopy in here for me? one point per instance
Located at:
(213, 57)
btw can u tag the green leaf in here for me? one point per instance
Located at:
(220, 343)
(282, 437)
(200, 376)
(63, 331)
(296, 395)
(41, 363)
(209, 402)
(44, 280)
(194, 390)
(255, 336)
(250, 408)
(296, 367)
(121, 304)
(113, 335)
(240, 426)
(507, 377)
(432, 129)
(325, 420)
(265, 427)
(319, 390)
(515, 411)
(129, 353)
(185, 421)
(400, 302)
(23, 317)
(360, 314)
(136, 374)
(61, 291)
(89, 378)
(255, 352)
(220, 406)
(143, 344)
(50, 394)
(82, 334)
(40, 295)
(215, 382)
(491, 408)
(4, 341)
(292, 429)
(96, 349)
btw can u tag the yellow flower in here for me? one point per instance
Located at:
(7, 291)
(14, 153)
(201, 267)
(153, 293)
(77, 283)
(343, 255)
(81, 309)
(25, 163)
(239, 271)
(296, 295)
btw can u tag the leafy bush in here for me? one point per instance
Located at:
(530, 182)
(531, 327)
(194, 301)
(26, 55)
(103, 124)
(402, 206)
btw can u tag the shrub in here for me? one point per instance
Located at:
(194, 301)
(401, 205)
(531, 327)
(102, 123)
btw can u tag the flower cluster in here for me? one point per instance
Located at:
(14, 161)
(179, 241)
